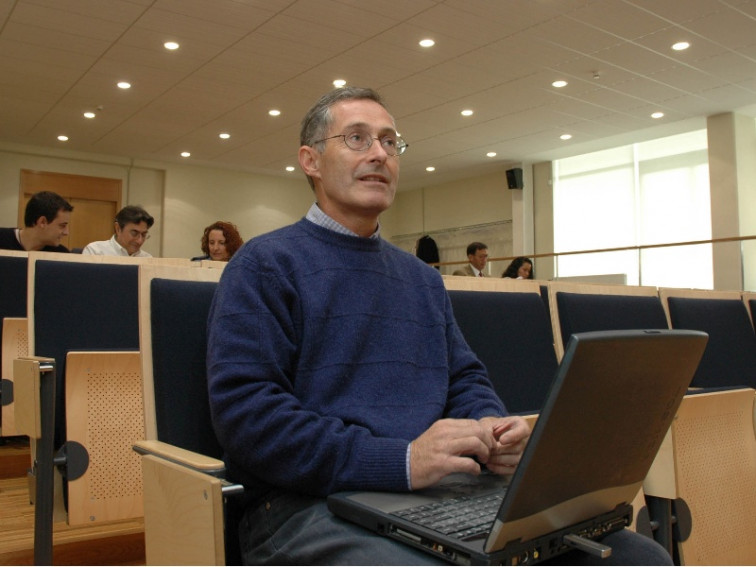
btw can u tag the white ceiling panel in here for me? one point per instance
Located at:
(238, 59)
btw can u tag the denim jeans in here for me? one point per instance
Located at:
(292, 529)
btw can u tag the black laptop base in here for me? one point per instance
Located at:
(530, 552)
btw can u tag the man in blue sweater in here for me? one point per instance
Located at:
(335, 363)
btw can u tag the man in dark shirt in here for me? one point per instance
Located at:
(46, 222)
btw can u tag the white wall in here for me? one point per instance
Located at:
(195, 197)
(450, 213)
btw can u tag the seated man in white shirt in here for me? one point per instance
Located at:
(132, 225)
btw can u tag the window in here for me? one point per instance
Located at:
(645, 194)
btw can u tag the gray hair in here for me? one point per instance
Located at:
(318, 119)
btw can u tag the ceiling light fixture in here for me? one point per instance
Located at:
(63, 138)
(565, 136)
(657, 115)
(274, 112)
(185, 154)
(430, 169)
(491, 154)
(467, 112)
(171, 45)
(124, 85)
(559, 84)
(680, 46)
(339, 83)
(89, 115)
(427, 43)
(224, 135)
(290, 168)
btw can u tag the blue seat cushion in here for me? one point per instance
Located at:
(511, 334)
(730, 355)
(584, 312)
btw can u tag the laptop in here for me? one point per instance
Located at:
(609, 407)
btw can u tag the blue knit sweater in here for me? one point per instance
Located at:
(327, 355)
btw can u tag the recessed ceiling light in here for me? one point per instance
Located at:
(657, 115)
(680, 46)
(290, 168)
(185, 154)
(430, 168)
(565, 136)
(559, 84)
(171, 45)
(427, 43)
(124, 85)
(224, 135)
(63, 138)
(491, 154)
(89, 115)
(274, 112)
(339, 83)
(467, 112)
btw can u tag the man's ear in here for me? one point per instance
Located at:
(41, 222)
(309, 161)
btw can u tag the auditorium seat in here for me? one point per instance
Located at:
(730, 356)
(506, 324)
(13, 271)
(581, 307)
(185, 514)
(83, 315)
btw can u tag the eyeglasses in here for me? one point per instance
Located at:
(360, 141)
(136, 234)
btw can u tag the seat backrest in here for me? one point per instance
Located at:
(174, 306)
(13, 278)
(583, 307)
(509, 330)
(730, 355)
(81, 303)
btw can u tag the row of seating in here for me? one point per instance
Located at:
(82, 315)
(704, 474)
(517, 334)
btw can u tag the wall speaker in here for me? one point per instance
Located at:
(514, 178)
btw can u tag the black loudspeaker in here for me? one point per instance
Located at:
(514, 178)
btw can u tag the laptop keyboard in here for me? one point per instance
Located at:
(464, 517)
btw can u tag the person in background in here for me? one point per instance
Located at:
(132, 226)
(521, 268)
(46, 219)
(219, 242)
(477, 253)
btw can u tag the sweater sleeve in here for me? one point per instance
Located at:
(268, 436)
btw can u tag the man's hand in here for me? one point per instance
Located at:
(511, 434)
(445, 448)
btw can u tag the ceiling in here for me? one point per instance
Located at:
(240, 58)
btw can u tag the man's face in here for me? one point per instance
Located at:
(53, 232)
(132, 236)
(353, 184)
(479, 259)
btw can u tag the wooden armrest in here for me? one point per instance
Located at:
(183, 457)
(183, 513)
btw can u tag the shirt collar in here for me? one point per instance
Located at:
(317, 216)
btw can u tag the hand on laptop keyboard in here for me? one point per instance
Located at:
(445, 447)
